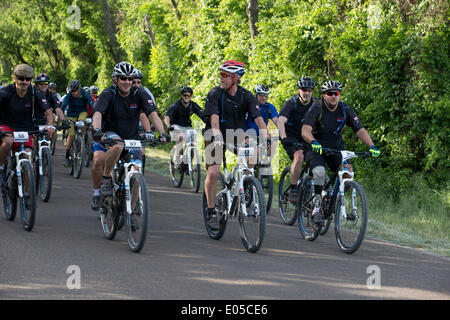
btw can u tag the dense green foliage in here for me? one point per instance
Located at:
(391, 56)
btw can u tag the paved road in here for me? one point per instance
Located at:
(179, 261)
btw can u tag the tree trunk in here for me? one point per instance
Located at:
(252, 13)
(110, 31)
(147, 28)
(175, 7)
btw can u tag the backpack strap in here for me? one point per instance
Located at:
(293, 113)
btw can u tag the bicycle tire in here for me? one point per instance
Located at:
(195, 174)
(136, 240)
(78, 156)
(46, 180)
(88, 152)
(28, 201)
(53, 142)
(221, 206)
(287, 209)
(9, 192)
(176, 171)
(350, 235)
(267, 186)
(252, 189)
(304, 208)
(109, 217)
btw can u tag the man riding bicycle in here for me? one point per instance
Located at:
(225, 110)
(77, 102)
(289, 127)
(322, 127)
(18, 102)
(117, 112)
(179, 115)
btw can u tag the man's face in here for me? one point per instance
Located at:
(262, 99)
(22, 82)
(137, 82)
(332, 98)
(306, 94)
(186, 97)
(42, 86)
(76, 93)
(226, 80)
(124, 83)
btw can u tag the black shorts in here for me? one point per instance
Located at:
(314, 160)
(291, 147)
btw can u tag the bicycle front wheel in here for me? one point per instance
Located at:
(308, 229)
(88, 152)
(28, 201)
(46, 179)
(253, 223)
(287, 209)
(176, 169)
(195, 173)
(78, 156)
(266, 181)
(351, 228)
(9, 192)
(137, 220)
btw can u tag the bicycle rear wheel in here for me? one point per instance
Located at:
(350, 230)
(28, 201)
(176, 169)
(221, 207)
(195, 174)
(253, 225)
(46, 179)
(88, 152)
(287, 209)
(304, 208)
(78, 156)
(266, 181)
(137, 221)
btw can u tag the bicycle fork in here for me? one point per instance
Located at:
(341, 192)
(19, 171)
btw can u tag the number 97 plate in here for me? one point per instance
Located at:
(132, 144)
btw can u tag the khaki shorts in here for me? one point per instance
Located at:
(81, 116)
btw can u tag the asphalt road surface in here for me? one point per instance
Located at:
(66, 256)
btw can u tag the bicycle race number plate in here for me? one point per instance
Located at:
(346, 155)
(246, 152)
(20, 136)
(132, 145)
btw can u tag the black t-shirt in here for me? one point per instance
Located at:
(17, 113)
(233, 112)
(121, 114)
(294, 111)
(326, 131)
(53, 103)
(181, 115)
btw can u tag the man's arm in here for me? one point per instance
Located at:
(156, 121)
(364, 136)
(281, 128)
(167, 121)
(307, 133)
(261, 126)
(97, 120)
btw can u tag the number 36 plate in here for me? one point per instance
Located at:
(20, 136)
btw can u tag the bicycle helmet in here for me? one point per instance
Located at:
(24, 70)
(86, 89)
(93, 89)
(233, 67)
(138, 74)
(306, 82)
(262, 89)
(42, 77)
(186, 89)
(52, 85)
(123, 69)
(74, 85)
(331, 85)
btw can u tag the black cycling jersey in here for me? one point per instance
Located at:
(53, 103)
(327, 125)
(17, 113)
(294, 111)
(121, 114)
(181, 115)
(231, 110)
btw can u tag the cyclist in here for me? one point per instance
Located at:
(179, 114)
(52, 89)
(93, 92)
(116, 116)
(77, 102)
(289, 127)
(42, 82)
(225, 108)
(18, 102)
(268, 110)
(322, 127)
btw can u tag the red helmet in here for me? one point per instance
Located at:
(232, 66)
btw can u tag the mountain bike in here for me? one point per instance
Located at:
(19, 181)
(240, 196)
(129, 204)
(88, 142)
(188, 162)
(345, 203)
(77, 150)
(263, 171)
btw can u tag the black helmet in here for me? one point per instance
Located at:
(331, 85)
(123, 69)
(42, 77)
(306, 82)
(186, 89)
(74, 85)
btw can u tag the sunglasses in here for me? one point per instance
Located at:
(186, 95)
(23, 78)
(224, 75)
(333, 93)
(136, 82)
(126, 78)
(45, 83)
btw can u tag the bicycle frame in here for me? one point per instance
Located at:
(189, 145)
(43, 144)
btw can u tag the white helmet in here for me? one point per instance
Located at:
(262, 89)
(123, 69)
